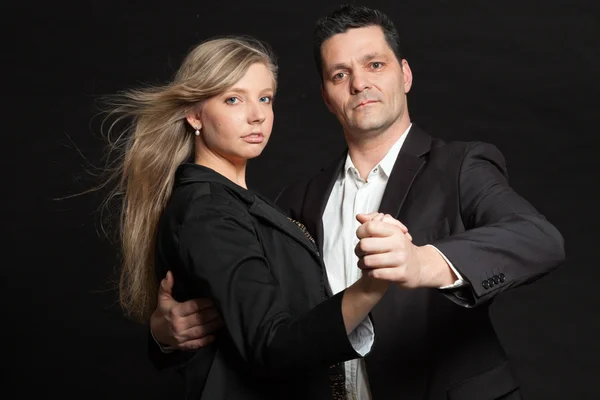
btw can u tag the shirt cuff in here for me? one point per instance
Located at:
(362, 337)
(459, 281)
(166, 350)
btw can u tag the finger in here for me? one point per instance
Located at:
(191, 306)
(200, 331)
(400, 225)
(196, 344)
(387, 274)
(382, 260)
(166, 285)
(362, 218)
(373, 245)
(376, 229)
(391, 220)
(182, 324)
(205, 316)
(378, 217)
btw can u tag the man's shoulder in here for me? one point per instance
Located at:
(450, 144)
(300, 185)
(294, 192)
(292, 197)
(460, 148)
(453, 155)
(457, 157)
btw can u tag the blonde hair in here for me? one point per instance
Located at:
(155, 143)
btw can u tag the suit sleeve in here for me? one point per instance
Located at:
(506, 242)
(221, 251)
(162, 360)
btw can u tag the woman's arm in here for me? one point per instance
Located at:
(219, 247)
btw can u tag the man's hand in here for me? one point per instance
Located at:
(183, 326)
(386, 252)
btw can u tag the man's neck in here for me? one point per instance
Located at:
(367, 151)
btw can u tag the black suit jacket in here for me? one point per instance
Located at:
(455, 196)
(266, 279)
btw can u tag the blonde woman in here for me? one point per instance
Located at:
(186, 208)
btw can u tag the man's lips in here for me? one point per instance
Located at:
(364, 103)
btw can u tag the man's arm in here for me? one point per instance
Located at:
(175, 326)
(506, 243)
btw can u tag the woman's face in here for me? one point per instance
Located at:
(236, 125)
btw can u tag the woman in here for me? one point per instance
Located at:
(198, 219)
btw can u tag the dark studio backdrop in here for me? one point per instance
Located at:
(523, 75)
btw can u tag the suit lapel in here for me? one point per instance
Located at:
(258, 207)
(317, 194)
(408, 164)
(410, 161)
(268, 213)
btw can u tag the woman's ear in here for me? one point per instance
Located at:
(194, 117)
(194, 120)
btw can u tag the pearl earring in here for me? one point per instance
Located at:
(197, 133)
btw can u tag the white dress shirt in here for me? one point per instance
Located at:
(353, 195)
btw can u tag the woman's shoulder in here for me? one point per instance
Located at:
(202, 198)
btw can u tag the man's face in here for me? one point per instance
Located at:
(364, 85)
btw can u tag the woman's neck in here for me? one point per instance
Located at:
(234, 170)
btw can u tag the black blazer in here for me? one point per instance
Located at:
(455, 196)
(267, 281)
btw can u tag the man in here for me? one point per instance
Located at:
(473, 237)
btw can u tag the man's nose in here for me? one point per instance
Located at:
(359, 82)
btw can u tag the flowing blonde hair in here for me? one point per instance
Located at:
(157, 140)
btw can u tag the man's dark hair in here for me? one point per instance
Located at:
(351, 16)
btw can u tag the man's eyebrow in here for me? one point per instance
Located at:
(364, 59)
(371, 56)
(338, 66)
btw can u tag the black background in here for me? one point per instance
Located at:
(523, 75)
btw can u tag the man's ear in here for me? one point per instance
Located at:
(408, 77)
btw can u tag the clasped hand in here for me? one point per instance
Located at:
(385, 250)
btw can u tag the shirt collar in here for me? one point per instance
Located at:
(387, 163)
